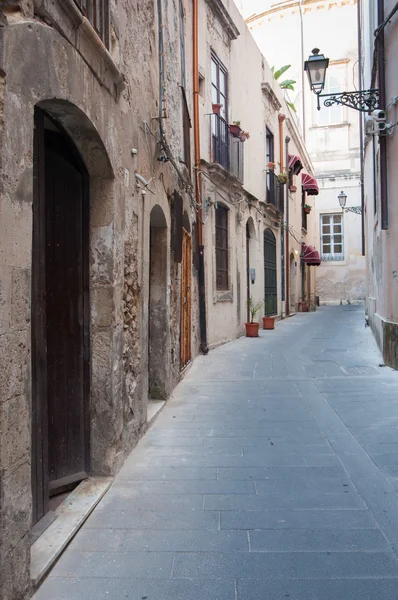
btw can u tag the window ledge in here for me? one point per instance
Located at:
(222, 174)
(226, 296)
(224, 17)
(66, 18)
(332, 126)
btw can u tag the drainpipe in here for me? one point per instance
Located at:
(382, 101)
(361, 127)
(281, 118)
(287, 251)
(195, 73)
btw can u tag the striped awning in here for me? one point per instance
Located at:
(294, 163)
(310, 256)
(310, 184)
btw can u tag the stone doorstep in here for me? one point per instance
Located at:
(71, 515)
(154, 408)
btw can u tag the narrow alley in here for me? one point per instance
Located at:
(271, 473)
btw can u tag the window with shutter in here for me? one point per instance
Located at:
(97, 12)
(221, 248)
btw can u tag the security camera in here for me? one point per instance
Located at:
(379, 115)
(381, 126)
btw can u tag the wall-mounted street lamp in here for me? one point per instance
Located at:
(316, 65)
(342, 197)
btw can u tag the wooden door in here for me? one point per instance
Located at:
(186, 281)
(60, 316)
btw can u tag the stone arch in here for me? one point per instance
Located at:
(83, 133)
(158, 330)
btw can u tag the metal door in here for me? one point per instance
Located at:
(270, 281)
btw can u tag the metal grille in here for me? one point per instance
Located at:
(221, 248)
(362, 370)
(270, 286)
(97, 12)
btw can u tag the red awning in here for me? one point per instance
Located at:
(310, 184)
(310, 256)
(294, 163)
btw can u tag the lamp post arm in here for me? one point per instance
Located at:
(363, 100)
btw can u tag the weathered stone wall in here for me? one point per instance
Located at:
(106, 103)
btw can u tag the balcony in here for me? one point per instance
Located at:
(227, 150)
(275, 192)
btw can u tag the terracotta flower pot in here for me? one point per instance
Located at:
(268, 322)
(243, 137)
(307, 211)
(235, 130)
(303, 306)
(216, 108)
(293, 188)
(252, 329)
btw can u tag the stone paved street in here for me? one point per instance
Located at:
(271, 474)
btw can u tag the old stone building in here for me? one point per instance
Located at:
(256, 228)
(113, 201)
(92, 214)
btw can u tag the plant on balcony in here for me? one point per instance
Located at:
(244, 135)
(252, 327)
(307, 209)
(283, 178)
(271, 166)
(216, 107)
(235, 129)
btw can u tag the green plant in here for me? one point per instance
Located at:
(283, 177)
(268, 306)
(307, 206)
(237, 123)
(286, 84)
(253, 307)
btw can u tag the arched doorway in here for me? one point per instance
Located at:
(270, 280)
(158, 320)
(250, 253)
(60, 315)
(292, 285)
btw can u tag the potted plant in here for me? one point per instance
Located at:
(244, 135)
(271, 166)
(216, 107)
(235, 129)
(293, 188)
(252, 327)
(268, 321)
(307, 208)
(283, 178)
(303, 306)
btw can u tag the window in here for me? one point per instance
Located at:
(97, 12)
(221, 248)
(332, 115)
(269, 157)
(303, 213)
(332, 244)
(219, 81)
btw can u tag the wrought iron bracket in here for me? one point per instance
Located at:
(364, 101)
(354, 209)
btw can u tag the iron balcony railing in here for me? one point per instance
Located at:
(275, 191)
(227, 150)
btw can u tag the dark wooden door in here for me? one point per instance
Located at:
(61, 432)
(186, 282)
(270, 282)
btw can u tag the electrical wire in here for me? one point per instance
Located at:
(386, 21)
